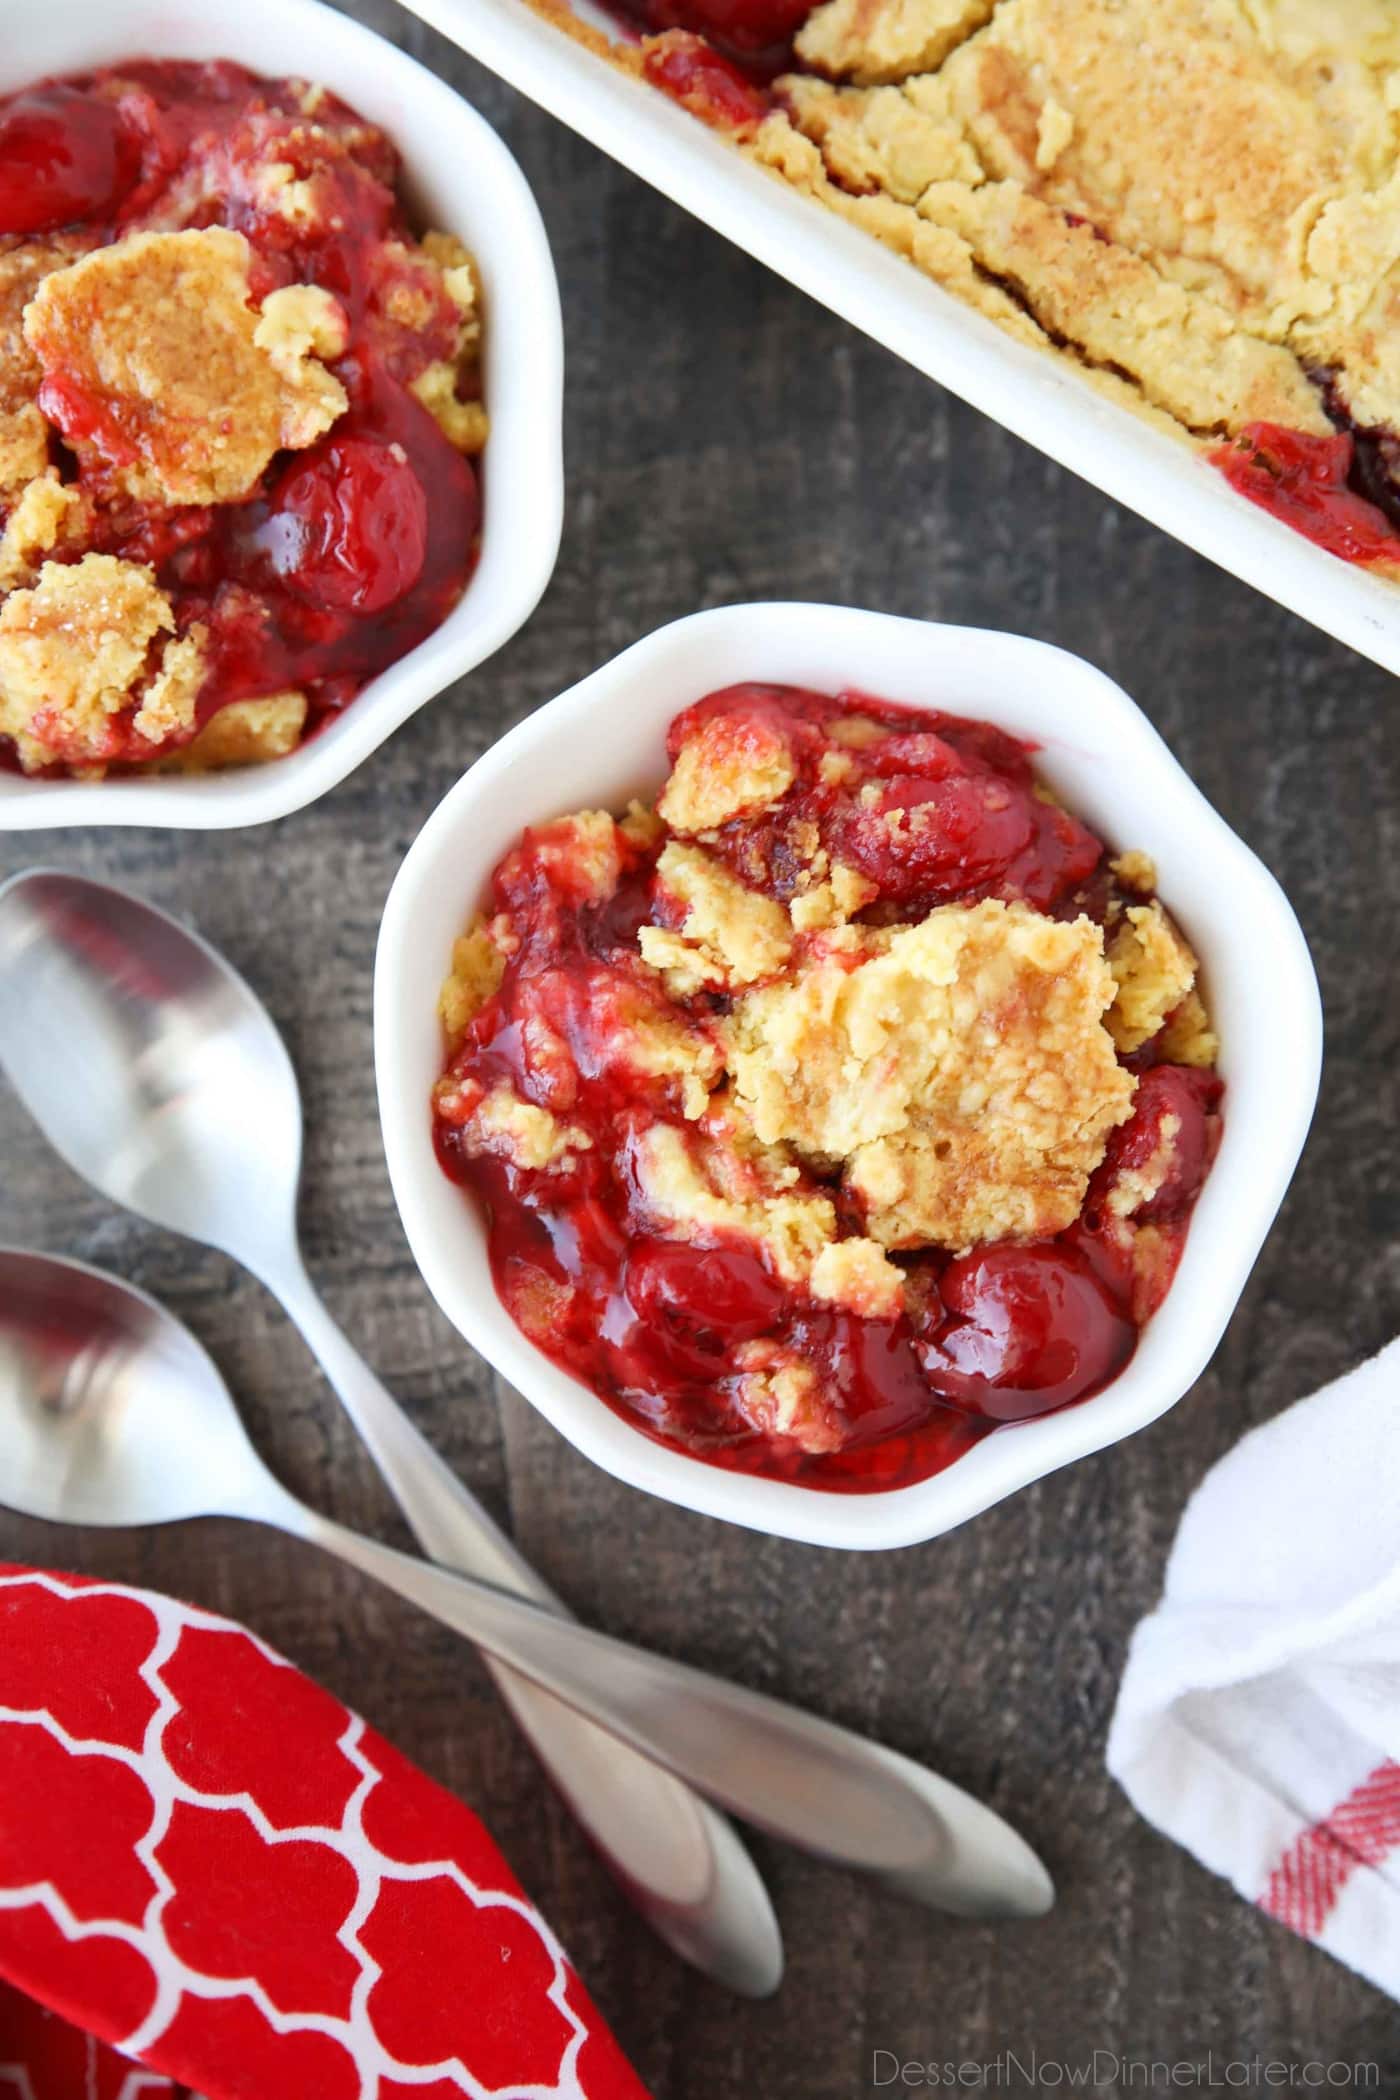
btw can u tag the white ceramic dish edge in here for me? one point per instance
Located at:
(605, 738)
(1034, 395)
(460, 175)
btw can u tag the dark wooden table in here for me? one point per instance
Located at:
(727, 439)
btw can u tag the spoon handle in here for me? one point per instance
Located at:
(677, 1858)
(818, 1786)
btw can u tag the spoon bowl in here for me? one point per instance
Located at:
(111, 1413)
(153, 1069)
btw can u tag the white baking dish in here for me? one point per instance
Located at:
(458, 175)
(1040, 399)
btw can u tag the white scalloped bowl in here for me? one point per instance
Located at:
(459, 175)
(604, 740)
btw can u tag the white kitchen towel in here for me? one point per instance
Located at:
(1258, 1722)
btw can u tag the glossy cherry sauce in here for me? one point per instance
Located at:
(652, 1324)
(699, 49)
(352, 551)
(717, 89)
(1308, 482)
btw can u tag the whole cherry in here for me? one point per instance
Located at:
(1031, 1328)
(692, 1304)
(740, 26)
(63, 157)
(348, 526)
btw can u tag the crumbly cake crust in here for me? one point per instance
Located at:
(1196, 202)
(46, 512)
(1187, 1037)
(959, 1069)
(1153, 969)
(24, 435)
(449, 387)
(871, 43)
(478, 965)
(196, 391)
(729, 935)
(1195, 196)
(245, 733)
(81, 647)
(726, 769)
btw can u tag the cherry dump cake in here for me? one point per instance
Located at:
(1195, 201)
(240, 407)
(847, 1102)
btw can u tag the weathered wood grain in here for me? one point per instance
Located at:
(727, 439)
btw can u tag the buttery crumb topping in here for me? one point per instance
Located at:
(1191, 196)
(196, 392)
(46, 512)
(79, 647)
(24, 435)
(1195, 202)
(1153, 970)
(724, 769)
(729, 935)
(961, 1071)
(244, 733)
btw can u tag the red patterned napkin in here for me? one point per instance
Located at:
(213, 1865)
(44, 2058)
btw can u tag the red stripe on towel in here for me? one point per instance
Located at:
(1304, 1886)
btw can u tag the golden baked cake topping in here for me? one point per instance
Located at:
(961, 1073)
(1194, 202)
(81, 648)
(161, 370)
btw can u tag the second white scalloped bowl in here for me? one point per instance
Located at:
(458, 175)
(604, 740)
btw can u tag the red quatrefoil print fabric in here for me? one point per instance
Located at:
(211, 1865)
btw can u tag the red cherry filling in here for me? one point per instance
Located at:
(348, 526)
(683, 1308)
(1165, 1147)
(1031, 1329)
(745, 25)
(1304, 481)
(868, 1374)
(63, 157)
(711, 86)
(756, 33)
(935, 838)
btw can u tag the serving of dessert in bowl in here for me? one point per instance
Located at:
(279, 409)
(828, 1125)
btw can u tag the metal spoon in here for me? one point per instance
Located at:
(112, 1413)
(158, 1075)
